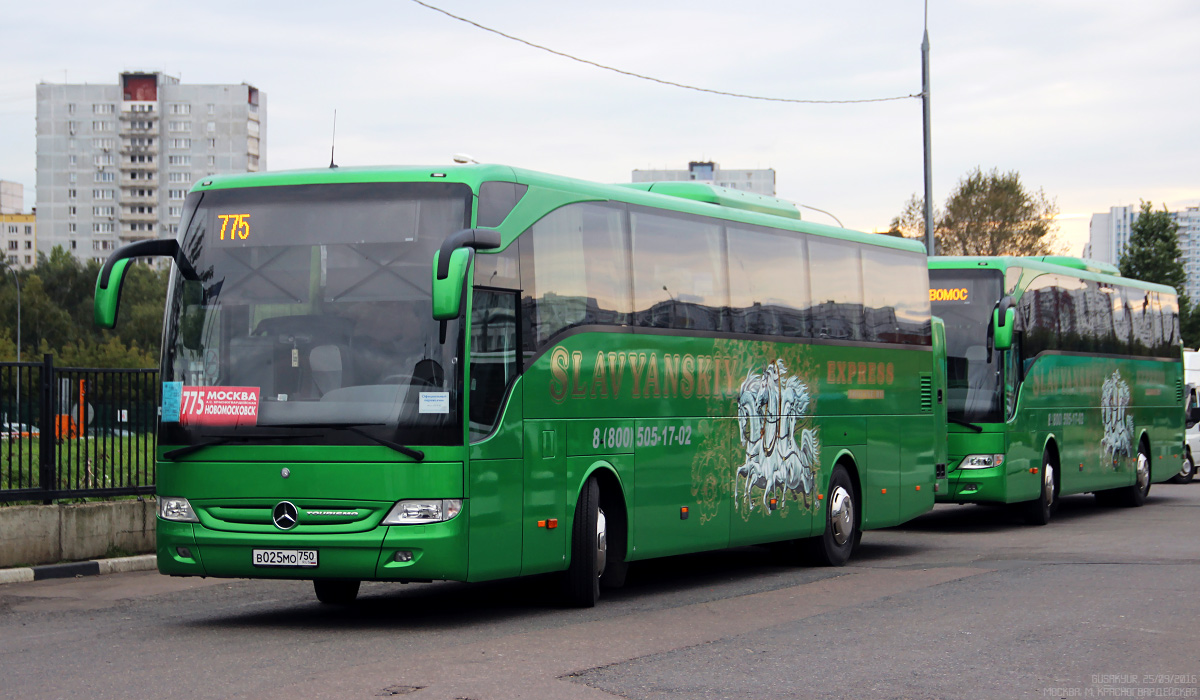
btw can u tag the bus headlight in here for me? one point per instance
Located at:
(422, 511)
(176, 509)
(981, 461)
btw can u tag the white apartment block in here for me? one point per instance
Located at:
(18, 229)
(756, 181)
(1108, 235)
(116, 161)
(1189, 244)
(18, 240)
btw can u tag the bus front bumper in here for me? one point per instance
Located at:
(436, 551)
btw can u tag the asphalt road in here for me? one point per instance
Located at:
(964, 602)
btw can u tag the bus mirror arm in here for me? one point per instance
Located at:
(163, 247)
(477, 238)
(451, 268)
(112, 274)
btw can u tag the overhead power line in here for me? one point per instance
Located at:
(657, 80)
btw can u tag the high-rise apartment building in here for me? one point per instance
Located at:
(1108, 236)
(1189, 244)
(757, 181)
(115, 161)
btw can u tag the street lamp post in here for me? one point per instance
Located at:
(17, 390)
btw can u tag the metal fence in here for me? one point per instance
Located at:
(70, 432)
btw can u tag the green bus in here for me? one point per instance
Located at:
(1063, 378)
(478, 372)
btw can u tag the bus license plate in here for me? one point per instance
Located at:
(285, 557)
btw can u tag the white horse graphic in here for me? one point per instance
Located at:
(1118, 427)
(769, 406)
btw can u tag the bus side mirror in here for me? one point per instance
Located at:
(112, 275)
(1002, 325)
(108, 293)
(448, 291)
(450, 266)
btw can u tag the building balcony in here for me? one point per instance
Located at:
(128, 150)
(128, 217)
(127, 198)
(127, 181)
(132, 130)
(135, 236)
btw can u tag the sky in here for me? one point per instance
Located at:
(1094, 102)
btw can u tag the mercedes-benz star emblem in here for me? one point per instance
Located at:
(284, 515)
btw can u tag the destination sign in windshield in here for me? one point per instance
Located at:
(950, 294)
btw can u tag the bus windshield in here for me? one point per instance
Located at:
(312, 310)
(964, 299)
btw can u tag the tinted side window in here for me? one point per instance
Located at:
(837, 295)
(1098, 302)
(574, 271)
(1039, 313)
(1072, 314)
(1170, 325)
(678, 271)
(1122, 321)
(496, 200)
(896, 296)
(1141, 308)
(495, 361)
(768, 282)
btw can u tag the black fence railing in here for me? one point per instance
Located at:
(70, 432)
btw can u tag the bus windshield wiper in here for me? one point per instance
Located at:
(972, 426)
(358, 430)
(221, 440)
(406, 451)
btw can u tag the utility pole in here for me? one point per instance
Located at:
(17, 393)
(929, 242)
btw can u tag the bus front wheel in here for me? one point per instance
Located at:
(834, 546)
(336, 591)
(1039, 510)
(589, 548)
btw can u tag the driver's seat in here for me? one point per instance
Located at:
(325, 362)
(428, 372)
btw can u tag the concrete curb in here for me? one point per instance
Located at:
(143, 562)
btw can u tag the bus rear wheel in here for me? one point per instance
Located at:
(589, 548)
(1039, 510)
(331, 591)
(1187, 470)
(1133, 495)
(835, 545)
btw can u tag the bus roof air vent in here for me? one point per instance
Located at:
(721, 196)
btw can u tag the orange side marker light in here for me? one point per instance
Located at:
(552, 523)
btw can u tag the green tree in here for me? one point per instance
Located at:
(988, 213)
(1153, 255)
(993, 214)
